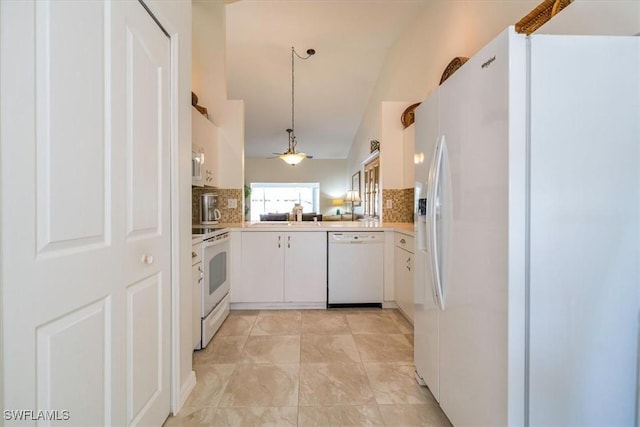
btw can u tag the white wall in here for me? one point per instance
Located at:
(208, 78)
(445, 29)
(175, 16)
(596, 17)
(330, 173)
(449, 28)
(209, 82)
(391, 145)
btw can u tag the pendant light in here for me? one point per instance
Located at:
(291, 156)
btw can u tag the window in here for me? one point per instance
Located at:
(280, 197)
(372, 188)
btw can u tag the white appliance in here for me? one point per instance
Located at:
(209, 212)
(215, 286)
(355, 269)
(528, 233)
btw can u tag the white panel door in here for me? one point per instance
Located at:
(74, 223)
(147, 232)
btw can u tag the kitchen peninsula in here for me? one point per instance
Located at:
(284, 264)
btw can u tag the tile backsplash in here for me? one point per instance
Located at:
(227, 215)
(402, 201)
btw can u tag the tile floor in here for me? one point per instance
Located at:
(309, 368)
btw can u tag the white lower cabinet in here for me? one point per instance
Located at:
(403, 274)
(305, 267)
(282, 267)
(196, 289)
(262, 266)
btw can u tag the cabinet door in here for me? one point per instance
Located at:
(404, 281)
(196, 307)
(263, 266)
(197, 150)
(205, 140)
(305, 267)
(210, 143)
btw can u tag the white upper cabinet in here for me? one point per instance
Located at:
(204, 148)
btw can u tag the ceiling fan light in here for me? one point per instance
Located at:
(293, 158)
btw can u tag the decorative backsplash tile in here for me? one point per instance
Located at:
(402, 201)
(227, 215)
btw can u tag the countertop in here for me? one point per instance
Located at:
(402, 227)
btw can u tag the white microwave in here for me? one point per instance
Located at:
(197, 167)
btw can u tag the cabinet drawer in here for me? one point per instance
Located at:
(196, 253)
(404, 241)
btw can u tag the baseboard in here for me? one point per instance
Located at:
(186, 390)
(290, 305)
(277, 305)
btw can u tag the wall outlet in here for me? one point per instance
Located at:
(232, 203)
(389, 204)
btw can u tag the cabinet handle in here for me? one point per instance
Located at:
(403, 241)
(279, 238)
(147, 259)
(200, 269)
(193, 254)
(200, 279)
(408, 262)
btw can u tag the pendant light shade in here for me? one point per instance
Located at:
(293, 158)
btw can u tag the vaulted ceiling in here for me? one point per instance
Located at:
(332, 88)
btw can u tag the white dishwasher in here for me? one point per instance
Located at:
(356, 269)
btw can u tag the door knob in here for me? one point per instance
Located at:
(147, 259)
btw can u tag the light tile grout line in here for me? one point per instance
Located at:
(387, 314)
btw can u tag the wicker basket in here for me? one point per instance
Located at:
(409, 116)
(453, 66)
(540, 15)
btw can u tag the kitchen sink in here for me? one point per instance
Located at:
(284, 224)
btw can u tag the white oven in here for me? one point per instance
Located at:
(215, 285)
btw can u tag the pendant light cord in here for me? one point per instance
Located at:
(292, 135)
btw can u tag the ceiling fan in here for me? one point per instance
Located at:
(291, 156)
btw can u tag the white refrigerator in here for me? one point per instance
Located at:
(527, 211)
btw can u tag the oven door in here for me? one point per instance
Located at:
(215, 260)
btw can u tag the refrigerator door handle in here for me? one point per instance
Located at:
(433, 218)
